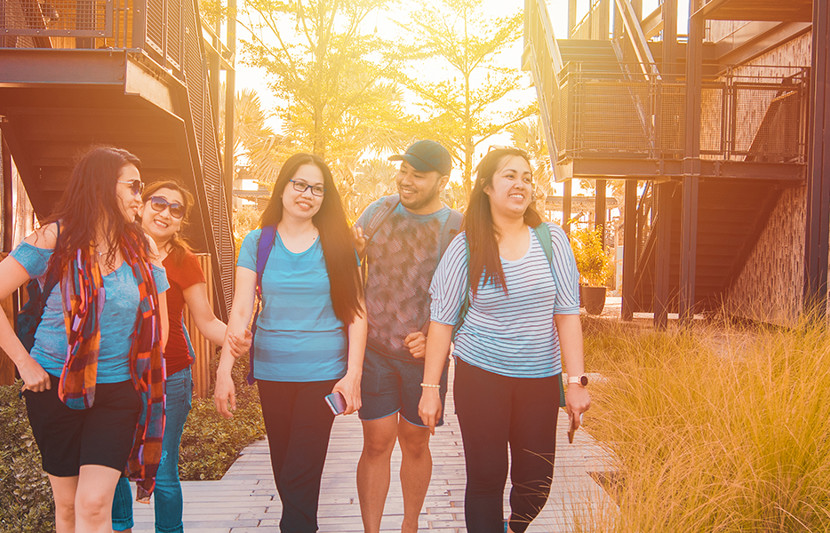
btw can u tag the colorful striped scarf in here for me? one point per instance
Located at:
(83, 296)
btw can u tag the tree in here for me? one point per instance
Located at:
(469, 104)
(529, 135)
(330, 71)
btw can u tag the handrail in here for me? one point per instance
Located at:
(579, 30)
(652, 23)
(545, 65)
(638, 40)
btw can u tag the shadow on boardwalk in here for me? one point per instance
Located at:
(245, 500)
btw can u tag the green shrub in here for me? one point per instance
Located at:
(713, 430)
(210, 443)
(25, 496)
(592, 260)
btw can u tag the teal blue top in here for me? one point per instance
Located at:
(118, 317)
(298, 336)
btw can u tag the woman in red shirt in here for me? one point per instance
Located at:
(164, 209)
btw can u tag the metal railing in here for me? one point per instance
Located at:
(744, 116)
(156, 26)
(595, 24)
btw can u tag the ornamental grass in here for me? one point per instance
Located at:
(712, 429)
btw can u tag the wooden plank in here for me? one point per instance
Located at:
(7, 369)
(202, 347)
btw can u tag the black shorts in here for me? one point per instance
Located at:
(101, 435)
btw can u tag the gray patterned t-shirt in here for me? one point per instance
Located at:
(402, 257)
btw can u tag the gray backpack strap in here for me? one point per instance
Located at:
(380, 215)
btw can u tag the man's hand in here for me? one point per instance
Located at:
(359, 241)
(417, 344)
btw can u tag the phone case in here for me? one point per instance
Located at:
(336, 403)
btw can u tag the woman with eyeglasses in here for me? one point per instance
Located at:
(163, 212)
(310, 333)
(522, 320)
(92, 379)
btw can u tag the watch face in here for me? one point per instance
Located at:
(583, 380)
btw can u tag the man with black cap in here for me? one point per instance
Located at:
(403, 237)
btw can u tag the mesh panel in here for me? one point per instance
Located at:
(712, 119)
(611, 117)
(155, 25)
(672, 121)
(80, 18)
(205, 133)
(174, 33)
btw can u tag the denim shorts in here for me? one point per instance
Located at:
(392, 385)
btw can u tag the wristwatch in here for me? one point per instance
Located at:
(581, 380)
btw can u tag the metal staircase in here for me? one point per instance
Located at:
(130, 73)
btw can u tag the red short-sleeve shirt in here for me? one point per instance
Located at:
(182, 274)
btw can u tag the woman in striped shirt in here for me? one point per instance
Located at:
(523, 317)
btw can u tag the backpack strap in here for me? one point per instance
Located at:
(267, 237)
(388, 204)
(451, 228)
(543, 234)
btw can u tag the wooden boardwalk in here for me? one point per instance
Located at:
(245, 499)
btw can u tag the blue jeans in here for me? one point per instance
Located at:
(168, 491)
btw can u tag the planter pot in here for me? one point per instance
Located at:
(592, 299)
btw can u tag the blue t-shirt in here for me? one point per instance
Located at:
(402, 255)
(510, 334)
(298, 336)
(118, 317)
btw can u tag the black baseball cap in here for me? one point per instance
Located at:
(426, 156)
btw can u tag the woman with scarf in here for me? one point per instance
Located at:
(164, 211)
(93, 379)
(311, 331)
(521, 324)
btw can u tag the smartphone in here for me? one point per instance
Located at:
(336, 402)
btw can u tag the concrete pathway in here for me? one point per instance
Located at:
(245, 499)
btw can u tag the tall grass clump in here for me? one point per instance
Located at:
(714, 431)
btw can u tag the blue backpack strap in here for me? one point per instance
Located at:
(263, 250)
(543, 234)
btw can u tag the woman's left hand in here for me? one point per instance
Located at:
(240, 345)
(349, 387)
(577, 401)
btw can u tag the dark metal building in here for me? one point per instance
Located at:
(718, 134)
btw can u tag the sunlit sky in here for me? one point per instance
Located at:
(253, 78)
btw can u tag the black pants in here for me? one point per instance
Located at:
(495, 410)
(298, 423)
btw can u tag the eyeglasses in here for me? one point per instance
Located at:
(136, 186)
(301, 186)
(159, 204)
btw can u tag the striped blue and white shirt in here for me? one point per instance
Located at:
(510, 334)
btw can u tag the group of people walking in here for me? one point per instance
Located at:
(368, 314)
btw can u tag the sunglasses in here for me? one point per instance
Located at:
(136, 186)
(301, 186)
(159, 204)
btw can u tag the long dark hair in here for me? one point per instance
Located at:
(89, 202)
(335, 236)
(178, 245)
(478, 222)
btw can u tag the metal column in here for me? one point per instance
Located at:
(629, 249)
(664, 192)
(567, 196)
(691, 169)
(599, 208)
(818, 174)
(230, 98)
